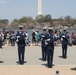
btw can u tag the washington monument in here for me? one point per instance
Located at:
(39, 7)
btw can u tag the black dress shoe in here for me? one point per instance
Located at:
(64, 57)
(49, 66)
(21, 63)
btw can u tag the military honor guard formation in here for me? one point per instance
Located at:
(48, 38)
(47, 41)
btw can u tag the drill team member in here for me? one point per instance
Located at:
(21, 44)
(50, 47)
(64, 39)
(43, 38)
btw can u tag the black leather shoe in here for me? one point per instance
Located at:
(49, 66)
(21, 63)
(64, 57)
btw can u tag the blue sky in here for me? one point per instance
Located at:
(10, 9)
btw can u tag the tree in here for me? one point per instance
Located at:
(48, 18)
(30, 19)
(4, 21)
(15, 21)
(39, 18)
(68, 18)
(23, 20)
(61, 20)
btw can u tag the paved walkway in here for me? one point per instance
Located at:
(36, 70)
(34, 65)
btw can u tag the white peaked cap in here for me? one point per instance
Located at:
(20, 26)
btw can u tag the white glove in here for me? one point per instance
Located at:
(46, 43)
(61, 39)
(48, 40)
(63, 36)
(17, 40)
(43, 36)
(18, 37)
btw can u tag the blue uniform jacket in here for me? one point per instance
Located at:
(64, 38)
(50, 41)
(20, 39)
(43, 38)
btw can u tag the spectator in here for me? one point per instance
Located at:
(33, 38)
(12, 39)
(37, 38)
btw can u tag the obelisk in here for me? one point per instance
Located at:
(39, 7)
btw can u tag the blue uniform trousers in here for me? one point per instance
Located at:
(44, 53)
(64, 51)
(21, 52)
(50, 54)
(0, 43)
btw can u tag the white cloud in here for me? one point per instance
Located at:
(4, 1)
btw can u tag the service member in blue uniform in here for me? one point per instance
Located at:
(64, 40)
(43, 46)
(50, 47)
(20, 36)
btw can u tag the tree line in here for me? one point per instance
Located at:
(40, 20)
